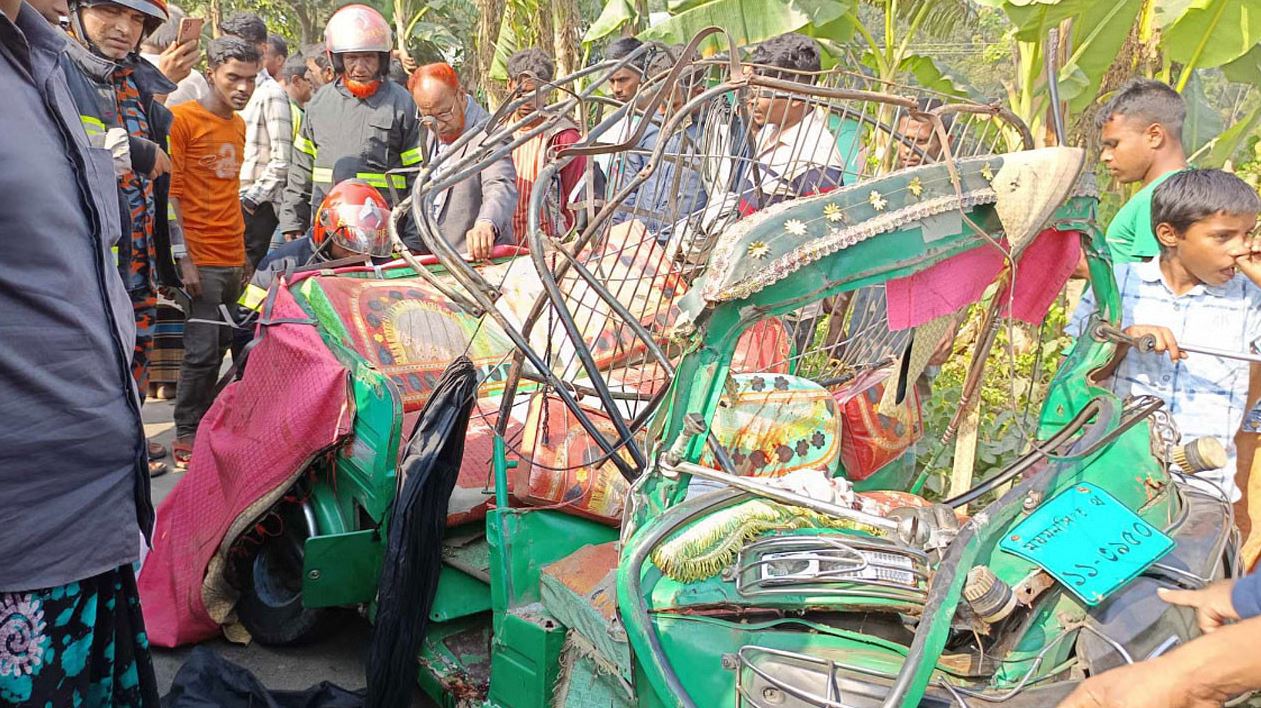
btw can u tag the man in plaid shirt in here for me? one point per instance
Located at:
(268, 141)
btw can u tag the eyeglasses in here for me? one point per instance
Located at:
(443, 116)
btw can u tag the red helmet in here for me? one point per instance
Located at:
(356, 217)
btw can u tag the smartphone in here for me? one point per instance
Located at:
(190, 30)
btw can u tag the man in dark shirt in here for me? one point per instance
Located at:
(72, 451)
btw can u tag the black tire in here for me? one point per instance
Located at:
(270, 606)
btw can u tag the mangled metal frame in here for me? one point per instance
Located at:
(556, 259)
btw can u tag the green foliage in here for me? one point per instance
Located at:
(748, 21)
(1015, 382)
(615, 15)
(1204, 122)
(1212, 32)
(935, 75)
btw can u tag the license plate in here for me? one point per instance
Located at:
(1088, 541)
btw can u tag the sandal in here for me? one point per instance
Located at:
(157, 468)
(182, 453)
(157, 450)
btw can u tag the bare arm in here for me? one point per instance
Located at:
(1205, 672)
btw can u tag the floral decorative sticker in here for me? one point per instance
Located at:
(796, 227)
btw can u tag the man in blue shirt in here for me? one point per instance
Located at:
(73, 464)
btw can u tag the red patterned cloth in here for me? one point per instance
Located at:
(249, 450)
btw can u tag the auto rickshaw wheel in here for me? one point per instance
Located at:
(270, 606)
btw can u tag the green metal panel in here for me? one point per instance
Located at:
(368, 465)
(459, 595)
(522, 541)
(525, 659)
(333, 513)
(341, 568)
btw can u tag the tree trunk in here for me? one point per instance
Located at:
(547, 31)
(640, 22)
(490, 15)
(215, 17)
(566, 18)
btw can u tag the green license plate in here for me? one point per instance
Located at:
(1088, 541)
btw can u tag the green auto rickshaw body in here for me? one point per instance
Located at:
(536, 606)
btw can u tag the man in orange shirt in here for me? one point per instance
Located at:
(207, 142)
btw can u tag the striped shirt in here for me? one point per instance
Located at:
(1206, 395)
(268, 141)
(529, 158)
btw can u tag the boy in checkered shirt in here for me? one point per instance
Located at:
(1201, 290)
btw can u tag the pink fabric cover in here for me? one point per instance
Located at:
(1041, 270)
(247, 448)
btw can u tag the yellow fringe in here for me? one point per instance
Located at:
(711, 544)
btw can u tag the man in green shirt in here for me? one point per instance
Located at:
(1141, 136)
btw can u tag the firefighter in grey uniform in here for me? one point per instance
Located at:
(362, 123)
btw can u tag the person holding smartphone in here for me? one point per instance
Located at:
(174, 47)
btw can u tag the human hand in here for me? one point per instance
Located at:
(190, 276)
(1163, 340)
(176, 61)
(161, 164)
(247, 274)
(1213, 604)
(1157, 683)
(247, 207)
(480, 240)
(1249, 263)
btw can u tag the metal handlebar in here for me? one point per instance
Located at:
(1147, 343)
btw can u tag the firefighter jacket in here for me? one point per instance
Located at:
(89, 79)
(351, 137)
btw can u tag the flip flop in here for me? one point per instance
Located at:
(182, 453)
(157, 450)
(157, 468)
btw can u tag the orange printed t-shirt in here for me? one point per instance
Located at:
(206, 177)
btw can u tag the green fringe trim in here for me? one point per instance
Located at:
(711, 544)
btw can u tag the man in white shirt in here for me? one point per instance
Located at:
(796, 150)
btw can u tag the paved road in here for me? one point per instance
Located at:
(338, 658)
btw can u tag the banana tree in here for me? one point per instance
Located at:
(748, 21)
(1108, 42)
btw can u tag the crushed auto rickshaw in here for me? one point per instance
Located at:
(692, 470)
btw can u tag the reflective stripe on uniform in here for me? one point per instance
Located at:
(305, 145)
(322, 174)
(252, 297)
(295, 117)
(92, 126)
(410, 157)
(377, 179)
